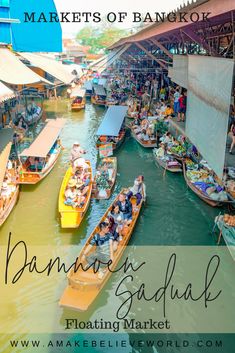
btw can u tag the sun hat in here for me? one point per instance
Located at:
(72, 183)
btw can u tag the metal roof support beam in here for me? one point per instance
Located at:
(190, 34)
(160, 46)
(151, 55)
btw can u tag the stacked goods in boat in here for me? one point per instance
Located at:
(105, 178)
(203, 183)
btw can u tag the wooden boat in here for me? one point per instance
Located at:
(38, 160)
(78, 99)
(199, 193)
(9, 199)
(99, 95)
(111, 128)
(115, 144)
(174, 168)
(72, 217)
(228, 233)
(84, 286)
(146, 144)
(111, 163)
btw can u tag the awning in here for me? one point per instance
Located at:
(5, 93)
(112, 121)
(88, 85)
(99, 90)
(6, 136)
(14, 72)
(45, 140)
(77, 92)
(179, 72)
(51, 66)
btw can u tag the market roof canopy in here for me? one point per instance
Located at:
(51, 66)
(5, 93)
(110, 58)
(14, 72)
(179, 72)
(6, 136)
(45, 140)
(77, 92)
(112, 121)
(209, 95)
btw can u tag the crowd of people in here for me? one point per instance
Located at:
(112, 230)
(78, 184)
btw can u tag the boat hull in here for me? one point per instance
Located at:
(163, 164)
(145, 144)
(33, 178)
(85, 286)
(204, 198)
(4, 215)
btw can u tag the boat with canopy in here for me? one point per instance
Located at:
(9, 188)
(99, 95)
(84, 286)
(111, 130)
(39, 158)
(78, 99)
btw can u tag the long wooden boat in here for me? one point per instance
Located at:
(199, 193)
(112, 126)
(115, 144)
(145, 144)
(39, 159)
(72, 217)
(85, 286)
(111, 163)
(174, 168)
(78, 99)
(8, 202)
(99, 95)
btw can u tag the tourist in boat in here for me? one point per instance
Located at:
(125, 207)
(233, 138)
(161, 151)
(103, 241)
(76, 152)
(167, 138)
(144, 136)
(116, 222)
(138, 189)
(71, 194)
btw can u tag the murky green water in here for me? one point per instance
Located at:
(173, 215)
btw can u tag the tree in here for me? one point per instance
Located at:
(99, 39)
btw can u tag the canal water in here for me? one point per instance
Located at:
(173, 215)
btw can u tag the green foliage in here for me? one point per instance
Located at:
(99, 39)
